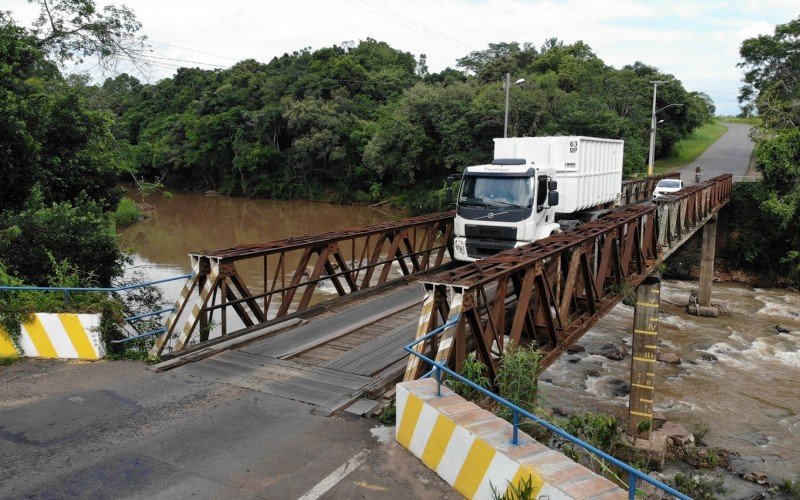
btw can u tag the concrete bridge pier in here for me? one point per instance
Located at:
(703, 305)
(643, 358)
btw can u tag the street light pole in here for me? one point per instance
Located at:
(651, 157)
(508, 90)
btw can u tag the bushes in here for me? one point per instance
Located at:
(35, 238)
(127, 213)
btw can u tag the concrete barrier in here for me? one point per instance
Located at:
(57, 335)
(471, 449)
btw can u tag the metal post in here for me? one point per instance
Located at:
(645, 343)
(515, 424)
(651, 157)
(631, 486)
(438, 380)
(508, 89)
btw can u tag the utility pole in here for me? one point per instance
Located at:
(651, 158)
(508, 90)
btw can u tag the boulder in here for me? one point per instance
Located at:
(705, 356)
(668, 357)
(619, 388)
(782, 329)
(573, 359)
(658, 420)
(756, 477)
(612, 352)
(561, 412)
(575, 349)
(677, 434)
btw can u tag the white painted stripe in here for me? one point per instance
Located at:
(334, 477)
(401, 396)
(455, 454)
(501, 470)
(422, 432)
(28, 349)
(58, 335)
(91, 323)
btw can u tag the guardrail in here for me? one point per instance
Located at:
(634, 474)
(131, 320)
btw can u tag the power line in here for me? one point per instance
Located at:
(193, 50)
(421, 25)
(407, 25)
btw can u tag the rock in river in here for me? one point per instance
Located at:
(612, 352)
(668, 357)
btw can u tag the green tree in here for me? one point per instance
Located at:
(772, 88)
(38, 237)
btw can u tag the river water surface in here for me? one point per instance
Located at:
(749, 396)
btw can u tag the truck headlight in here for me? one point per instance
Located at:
(459, 246)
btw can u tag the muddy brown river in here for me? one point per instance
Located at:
(738, 375)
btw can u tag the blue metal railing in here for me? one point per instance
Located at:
(124, 288)
(633, 473)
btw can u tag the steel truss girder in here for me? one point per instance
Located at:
(550, 292)
(351, 261)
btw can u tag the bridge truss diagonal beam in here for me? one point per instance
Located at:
(551, 292)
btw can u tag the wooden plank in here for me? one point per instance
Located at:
(375, 355)
(324, 374)
(308, 336)
(303, 382)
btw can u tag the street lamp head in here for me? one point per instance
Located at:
(660, 121)
(521, 80)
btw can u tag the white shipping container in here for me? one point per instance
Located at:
(588, 169)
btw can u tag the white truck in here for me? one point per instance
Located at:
(536, 186)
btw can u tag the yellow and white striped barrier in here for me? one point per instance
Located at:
(57, 335)
(471, 449)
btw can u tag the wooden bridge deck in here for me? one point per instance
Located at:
(329, 361)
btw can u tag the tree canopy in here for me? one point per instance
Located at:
(772, 90)
(357, 120)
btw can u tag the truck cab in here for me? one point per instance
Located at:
(503, 205)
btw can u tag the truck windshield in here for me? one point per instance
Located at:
(514, 192)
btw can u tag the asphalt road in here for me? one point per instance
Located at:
(730, 153)
(116, 429)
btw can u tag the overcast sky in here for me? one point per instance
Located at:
(697, 41)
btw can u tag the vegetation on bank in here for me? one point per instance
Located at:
(127, 213)
(770, 239)
(749, 120)
(689, 148)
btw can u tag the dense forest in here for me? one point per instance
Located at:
(360, 121)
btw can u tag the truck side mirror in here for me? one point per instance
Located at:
(448, 197)
(552, 185)
(552, 198)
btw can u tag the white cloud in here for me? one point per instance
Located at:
(695, 40)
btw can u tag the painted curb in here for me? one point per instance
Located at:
(470, 448)
(57, 335)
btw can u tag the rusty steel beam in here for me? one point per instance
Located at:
(351, 261)
(634, 190)
(551, 292)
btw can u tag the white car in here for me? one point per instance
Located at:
(667, 186)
